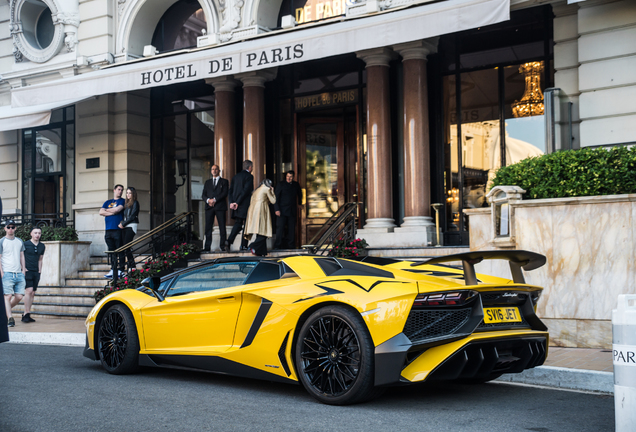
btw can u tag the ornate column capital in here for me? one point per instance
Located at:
(377, 56)
(257, 78)
(225, 83)
(418, 50)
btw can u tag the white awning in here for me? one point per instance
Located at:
(25, 117)
(274, 49)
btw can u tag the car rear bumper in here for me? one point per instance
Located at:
(477, 356)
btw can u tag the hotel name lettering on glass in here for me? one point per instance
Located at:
(326, 100)
(315, 10)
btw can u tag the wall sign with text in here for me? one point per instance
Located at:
(326, 100)
(315, 10)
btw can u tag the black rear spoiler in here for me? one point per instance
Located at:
(518, 259)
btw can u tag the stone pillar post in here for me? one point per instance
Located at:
(224, 125)
(224, 136)
(379, 177)
(417, 165)
(254, 120)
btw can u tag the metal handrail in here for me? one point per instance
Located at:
(333, 230)
(150, 233)
(155, 241)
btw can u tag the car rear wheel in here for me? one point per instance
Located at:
(335, 357)
(118, 342)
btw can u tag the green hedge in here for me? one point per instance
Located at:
(573, 173)
(48, 233)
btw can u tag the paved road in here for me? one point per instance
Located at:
(50, 389)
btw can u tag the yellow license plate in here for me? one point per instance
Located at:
(501, 314)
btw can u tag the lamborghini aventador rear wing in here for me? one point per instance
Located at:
(518, 259)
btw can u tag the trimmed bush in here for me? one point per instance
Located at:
(573, 173)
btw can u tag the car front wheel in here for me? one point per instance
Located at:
(335, 357)
(118, 342)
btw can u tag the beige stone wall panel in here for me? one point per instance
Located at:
(608, 73)
(605, 16)
(566, 55)
(613, 43)
(91, 28)
(609, 102)
(611, 130)
(94, 9)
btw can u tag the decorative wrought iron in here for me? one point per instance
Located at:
(341, 226)
(150, 245)
(54, 220)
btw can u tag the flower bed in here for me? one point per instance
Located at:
(165, 262)
(343, 249)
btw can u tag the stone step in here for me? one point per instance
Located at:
(90, 274)
(68, 290)
(76, 309)
(17, 314)
(78, 282)
(83, 299)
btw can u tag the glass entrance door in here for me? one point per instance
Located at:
(322, 172)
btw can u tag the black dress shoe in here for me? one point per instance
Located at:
(244, 248)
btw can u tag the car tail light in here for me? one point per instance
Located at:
(454, 298)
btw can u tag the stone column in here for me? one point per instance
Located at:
(224, 137)
(417, 165)
(379, 176)
(224, 125)
(254, 120)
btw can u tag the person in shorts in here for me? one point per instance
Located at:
(12, 268)
(33, 256)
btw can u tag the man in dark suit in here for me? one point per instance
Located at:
(215, 196)
(288, 196)
(241, 190)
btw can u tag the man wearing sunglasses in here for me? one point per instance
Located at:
(12, 269)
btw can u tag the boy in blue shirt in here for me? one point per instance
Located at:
(112, 210)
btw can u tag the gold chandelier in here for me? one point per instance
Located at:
(531, 103)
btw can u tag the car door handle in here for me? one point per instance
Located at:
(226, 299)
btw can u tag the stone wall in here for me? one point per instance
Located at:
(116, 129)
(10, 172)
(589, 243)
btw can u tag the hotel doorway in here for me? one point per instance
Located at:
(327, 161)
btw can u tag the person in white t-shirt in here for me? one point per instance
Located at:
(12, 269)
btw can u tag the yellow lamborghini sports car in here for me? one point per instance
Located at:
(344, 329)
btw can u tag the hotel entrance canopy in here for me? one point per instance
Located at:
(273, 49)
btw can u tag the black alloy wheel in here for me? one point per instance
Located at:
(334, 356)
(117, 341)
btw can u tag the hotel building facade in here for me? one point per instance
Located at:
(394, 104)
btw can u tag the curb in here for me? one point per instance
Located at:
(564, 378)
(68, 339)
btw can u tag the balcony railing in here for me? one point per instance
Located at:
(54, 220)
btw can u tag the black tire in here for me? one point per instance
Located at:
(118, 342)
(335, 357)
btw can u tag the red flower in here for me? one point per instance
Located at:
(165, 262)
(126, 282)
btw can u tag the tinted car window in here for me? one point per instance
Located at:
(221, 275)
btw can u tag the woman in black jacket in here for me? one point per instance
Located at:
(130, 223)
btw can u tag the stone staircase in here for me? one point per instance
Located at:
(72, 301)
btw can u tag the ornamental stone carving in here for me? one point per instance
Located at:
(231, 14)
(56, 22)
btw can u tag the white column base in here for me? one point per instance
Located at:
(417, 221)
(417, 236)
(380, 223)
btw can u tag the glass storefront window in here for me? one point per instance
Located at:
(182, 143)
(48, 175)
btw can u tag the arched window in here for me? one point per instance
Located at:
(180, 26)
